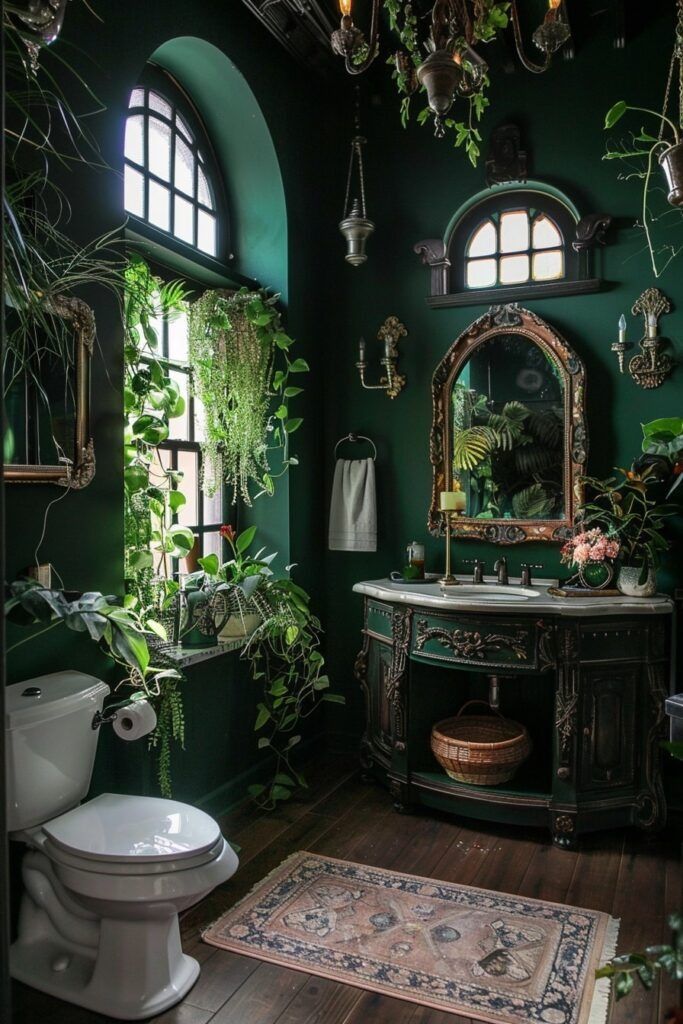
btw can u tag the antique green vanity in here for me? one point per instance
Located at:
(587, 676)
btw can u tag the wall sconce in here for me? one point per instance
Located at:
(650, 367)
(393, 382)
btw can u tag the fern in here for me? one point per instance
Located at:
(472, 446)
(545, 427)
(534, 458)
(533, 502)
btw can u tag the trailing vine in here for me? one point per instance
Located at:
(240, 363)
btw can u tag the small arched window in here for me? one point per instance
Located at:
(514, 246)
(168, 173)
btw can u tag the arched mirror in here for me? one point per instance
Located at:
(509, 425)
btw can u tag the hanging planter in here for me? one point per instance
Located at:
(240, 368)
(671, 163)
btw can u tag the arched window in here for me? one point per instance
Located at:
(512, 247)
(168, 173)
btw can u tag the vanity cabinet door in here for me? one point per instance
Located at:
(380, 720)
(609, 702)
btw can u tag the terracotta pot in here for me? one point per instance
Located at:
(628, 582)
(671, 163)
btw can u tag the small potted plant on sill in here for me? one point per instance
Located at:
(625, 510)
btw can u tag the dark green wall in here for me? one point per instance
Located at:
(277, 219)
(415, 184)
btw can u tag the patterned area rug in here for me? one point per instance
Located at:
(496, 958)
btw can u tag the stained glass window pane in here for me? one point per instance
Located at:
(133, 192)
(158, 103)
(137, 98)
(545, 234)
(548, 266)
(483, 242)
(159, 206)
(203, 190)
(184, 167)
(134, 146)
(514, 269)
(514, 231)
(206, 232)
(177, 338)
(159, 149)
(183, 223)
(188, 463)
(481, 273)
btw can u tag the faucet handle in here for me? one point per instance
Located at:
(526, 568)
(478, 566)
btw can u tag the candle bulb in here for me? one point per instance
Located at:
(361, 350)
(622, 328)
(651, 325)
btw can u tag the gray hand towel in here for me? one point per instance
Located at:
(353, 510)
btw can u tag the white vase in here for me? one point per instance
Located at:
(628, 581)
(239, 625)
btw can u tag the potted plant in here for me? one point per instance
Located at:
(623, 507)
(592, 552)
(663, 450)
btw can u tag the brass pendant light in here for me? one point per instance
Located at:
(355, 225)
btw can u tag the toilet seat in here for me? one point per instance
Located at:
(138, 832)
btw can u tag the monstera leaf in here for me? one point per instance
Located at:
(532, 503)
(471, 446)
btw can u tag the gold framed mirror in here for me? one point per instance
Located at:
(48, 409)
(509, 424)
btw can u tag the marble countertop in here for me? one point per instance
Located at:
(535, 599)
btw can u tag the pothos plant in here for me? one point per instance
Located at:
(491, 18)
(152, 495)
(284, 653)
(240, 363)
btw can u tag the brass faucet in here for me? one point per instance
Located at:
(477, 569)
(501, 567)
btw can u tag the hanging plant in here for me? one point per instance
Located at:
(239, 356)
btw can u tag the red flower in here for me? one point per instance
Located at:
(228, 532)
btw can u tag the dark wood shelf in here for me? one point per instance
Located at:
(521, 790)
(515, 292)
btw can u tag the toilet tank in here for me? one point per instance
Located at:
(50, 744)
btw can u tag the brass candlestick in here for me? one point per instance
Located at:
(448, 579)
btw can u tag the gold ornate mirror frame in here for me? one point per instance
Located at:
(80, 472)
(499, 320)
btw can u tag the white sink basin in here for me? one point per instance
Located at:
(491, 592)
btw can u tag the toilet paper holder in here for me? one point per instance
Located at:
(104, 717)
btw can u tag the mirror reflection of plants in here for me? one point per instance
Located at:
(284, 652)
(511, 457)
(240, 361)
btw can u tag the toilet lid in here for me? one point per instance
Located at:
(133, 829)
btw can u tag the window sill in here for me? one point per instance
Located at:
(184, 657)
(511, 293)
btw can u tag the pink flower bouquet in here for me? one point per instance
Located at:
(589, 546)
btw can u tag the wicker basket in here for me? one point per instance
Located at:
(483, 750)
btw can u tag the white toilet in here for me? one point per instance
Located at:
(104, 880)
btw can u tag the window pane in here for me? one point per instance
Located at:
(179, 426)
(183, 224)
(545, 234)
(203, 190)
(481, 273)
(155, 102)
(184, 168)
(182, 127)
(548, 266)
(483, 242)
(514, 269)
(159, 149)
(213, 545)
(134, 146)
(514, 231)
(188, 514)
(137, 98)
(177, 338)
(213, 508)
(133, 191)
(199, 432)
(206, 232)
(159, 206)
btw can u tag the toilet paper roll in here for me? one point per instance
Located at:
(135, 720)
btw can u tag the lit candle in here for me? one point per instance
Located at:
(361, 350)
(452, 501)
(345, 7)
(651, 325)
(622, 329)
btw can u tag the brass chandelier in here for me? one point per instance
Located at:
(447, 64)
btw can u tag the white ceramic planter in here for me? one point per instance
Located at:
(627, 582)
(239, 625)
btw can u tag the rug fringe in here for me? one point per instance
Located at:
(602, 992)
(256, 885)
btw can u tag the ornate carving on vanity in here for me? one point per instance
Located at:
(599, 764)
(553, 377)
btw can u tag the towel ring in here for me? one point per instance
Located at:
(354, 438)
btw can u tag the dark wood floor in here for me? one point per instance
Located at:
(634, 877)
